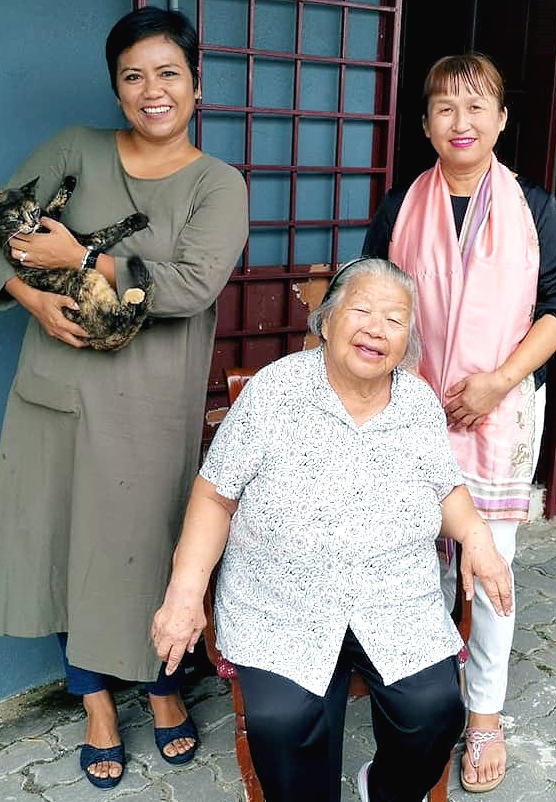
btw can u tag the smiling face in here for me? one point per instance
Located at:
(366, 334)
(463, 127)
(155, 89)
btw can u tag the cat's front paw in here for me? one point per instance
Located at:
(137, 221)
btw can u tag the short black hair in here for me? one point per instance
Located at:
(152, 21)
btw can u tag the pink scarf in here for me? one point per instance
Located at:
(475, 302)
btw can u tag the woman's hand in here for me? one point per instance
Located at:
(473, 398)
(55, 249)
(177, 625)
(48, 311)
(481, 559)
(47, 308)
(479, 556)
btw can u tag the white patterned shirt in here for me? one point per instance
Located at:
(335, 526)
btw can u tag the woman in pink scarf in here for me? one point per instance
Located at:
(480, 244)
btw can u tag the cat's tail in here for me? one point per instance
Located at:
(139, 295)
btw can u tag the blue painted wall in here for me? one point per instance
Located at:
(52, 74)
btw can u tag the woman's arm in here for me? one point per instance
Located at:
(49, 163)
(178, 623)
(474, 397)
(46, 307)
(533, 351)
(480, 558)
(477, 395)
(57, 247)
(206, 247)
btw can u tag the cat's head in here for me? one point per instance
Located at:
(20, 211)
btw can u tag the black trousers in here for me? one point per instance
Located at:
(295, 738)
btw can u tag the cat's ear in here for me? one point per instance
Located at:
(30, 186)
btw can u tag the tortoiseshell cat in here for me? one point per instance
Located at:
(110, 322)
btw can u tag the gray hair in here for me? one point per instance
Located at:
(367, 266)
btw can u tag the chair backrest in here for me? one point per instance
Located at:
(236, 379)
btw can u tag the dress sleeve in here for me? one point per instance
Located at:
(546, 228)
(49, 163)
(445, 471)
(543, 209)
(208, 247)
(237, 449)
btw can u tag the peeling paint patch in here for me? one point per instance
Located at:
(310, 293)
(215, 416)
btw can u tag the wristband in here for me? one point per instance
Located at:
(89, 258)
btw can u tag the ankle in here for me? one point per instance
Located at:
(170, 700)
(168, 711)
(102, 716)
(483, 721)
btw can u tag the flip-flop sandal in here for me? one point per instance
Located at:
(165, 735)
(92, 754)
(476, 742)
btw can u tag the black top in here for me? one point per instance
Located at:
(543, 209)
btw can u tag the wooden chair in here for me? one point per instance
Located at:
(236, 378)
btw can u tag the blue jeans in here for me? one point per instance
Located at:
(80, 681)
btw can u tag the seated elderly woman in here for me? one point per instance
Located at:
(324, 490)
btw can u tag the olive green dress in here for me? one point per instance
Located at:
(99, 449)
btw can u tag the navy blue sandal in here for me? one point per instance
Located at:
(92, 754)
(165, 735)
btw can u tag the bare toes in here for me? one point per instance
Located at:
(105, 769)
(178, 747)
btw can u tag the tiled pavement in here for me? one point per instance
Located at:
(40, 731)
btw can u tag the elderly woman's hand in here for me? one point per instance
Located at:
(480, 557)
(177, 625)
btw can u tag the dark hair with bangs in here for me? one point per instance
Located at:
(475, 71)
(150, 21)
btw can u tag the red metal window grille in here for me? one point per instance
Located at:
(301, 98)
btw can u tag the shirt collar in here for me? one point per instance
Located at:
(324, 397)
